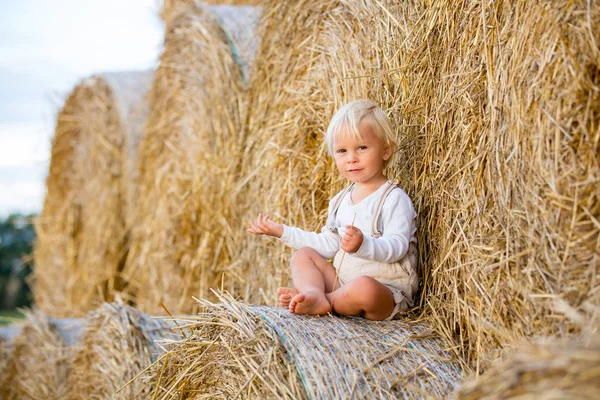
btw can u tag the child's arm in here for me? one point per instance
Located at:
(324, 243)
(264, 226)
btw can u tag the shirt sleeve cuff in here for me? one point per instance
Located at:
(363, 246)
(285, 237)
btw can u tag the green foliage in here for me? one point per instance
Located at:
(16, 243)
(10, 317)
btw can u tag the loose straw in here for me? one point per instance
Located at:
(341, 262)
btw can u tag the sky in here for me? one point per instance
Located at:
(46, 48)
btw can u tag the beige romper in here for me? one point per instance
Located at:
(400, 277)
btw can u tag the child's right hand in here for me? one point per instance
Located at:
(264, 226)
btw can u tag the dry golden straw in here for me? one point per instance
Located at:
(497, 110)
(172, 8)
(507, 180)
(341, 263)
(7, 336)
(314, 57)
(118, 344)
(188, 160)
(40, 360)
(237, 351)
(82, 231)
(550, 370)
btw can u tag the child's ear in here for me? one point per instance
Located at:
(387, 153)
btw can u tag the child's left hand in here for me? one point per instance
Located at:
(264, 226)
(352, 239)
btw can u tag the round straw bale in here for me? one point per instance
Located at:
(497, 110)
(70, 329)
(82, 231)
(236, 350)
(189, 158)
(8, 333)
(7, 337)
(117, 345)
(172, 8)
(507, 181)
(4, 354)
(314, 57)
(549, 370)
(40, 359)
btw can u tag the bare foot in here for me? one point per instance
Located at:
(311, 302)
(285, 295)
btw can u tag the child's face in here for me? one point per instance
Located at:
(361, 160)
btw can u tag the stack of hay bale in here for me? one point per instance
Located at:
(95, 357)
(40, 359)
(173, 8)
(181, 243)
(93, 210)
(82, 232)
(498, 137)
(118, 344)
(233, 350)
(506, 182)
(313, 58)
(497, 113)
(565, 369)
(7, 337)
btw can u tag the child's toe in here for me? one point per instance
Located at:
(284, 300)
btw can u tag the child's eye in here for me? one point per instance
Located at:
(362, 147)
(340, 151)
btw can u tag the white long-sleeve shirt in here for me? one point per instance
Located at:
(397, 220)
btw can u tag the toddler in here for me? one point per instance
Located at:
(369, 234)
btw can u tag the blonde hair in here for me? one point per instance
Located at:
(346, 120)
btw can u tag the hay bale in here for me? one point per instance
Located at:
(552, 369)
(82, 231)
(9, 333)
(188, 159)
(70, 330)
(313, 58)
(507, 180)
(4, 354)
(172, 8)
(130, 91)
(7, 336)
(233, 350)
(39, 363)
(497, 109)
(118, 344)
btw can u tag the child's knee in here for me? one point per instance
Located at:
(364, 283)
(366, 290)
(305, 257)
(302, 254)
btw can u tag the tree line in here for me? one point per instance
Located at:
(17, 236)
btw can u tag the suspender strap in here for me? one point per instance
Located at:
(377, 232)
(338, 202)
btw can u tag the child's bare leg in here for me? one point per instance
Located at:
(363, 295)
(312, 277)
(285, 295)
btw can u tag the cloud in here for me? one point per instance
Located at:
(23, 169)
(23, 196)
(24, 145)
(83, 35)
